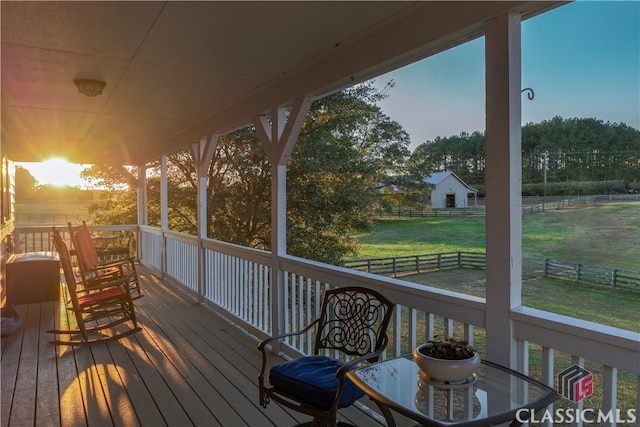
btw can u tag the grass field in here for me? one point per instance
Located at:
(606, 235)
(35, 213)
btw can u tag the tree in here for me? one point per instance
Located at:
(239, 200)
(571, 150)
(345, 153)
(116, 201)
(26, 184)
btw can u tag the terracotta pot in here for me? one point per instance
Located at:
(446, 370)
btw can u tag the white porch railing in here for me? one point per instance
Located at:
(237, 281)
(151, 239)
(38, 238)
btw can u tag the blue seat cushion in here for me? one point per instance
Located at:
(312, 380)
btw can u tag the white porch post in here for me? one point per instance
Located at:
(164, 212)
(278, 135)
(143, 216)
(202, 152)
(503, 184)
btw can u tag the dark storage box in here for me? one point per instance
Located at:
(33, 277)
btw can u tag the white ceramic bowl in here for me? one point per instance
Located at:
(450, 371)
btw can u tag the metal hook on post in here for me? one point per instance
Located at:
(530, 93)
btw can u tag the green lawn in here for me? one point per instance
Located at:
(606, 235)
(50, 212)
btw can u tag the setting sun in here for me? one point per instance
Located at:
(56, 171)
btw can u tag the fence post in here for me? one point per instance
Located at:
(418, 264)
(614, 275)
(394, 267)
(546, 267)
(578, 272)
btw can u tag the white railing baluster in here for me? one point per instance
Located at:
(397, 330)
(468, 333)
(523, 367)
(413, 328)
(429, 326)
(449, 330)
(294, 309)
(309, 313)
(579, 406)
(301, 311)
(548, 373)
(288, 304)
(610, 391)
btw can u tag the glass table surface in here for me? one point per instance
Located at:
(494, 395)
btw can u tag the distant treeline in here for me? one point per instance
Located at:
(585, 151)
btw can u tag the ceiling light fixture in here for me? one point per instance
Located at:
(89, 87)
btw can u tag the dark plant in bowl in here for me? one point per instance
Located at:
(449, 349)
(447, 360)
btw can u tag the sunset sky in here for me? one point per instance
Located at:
(581, 60)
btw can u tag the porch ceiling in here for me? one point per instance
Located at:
(178, 71)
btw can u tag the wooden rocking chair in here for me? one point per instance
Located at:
(97, 307)
(92, 271)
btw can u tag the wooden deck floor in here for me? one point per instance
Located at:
(187, 366)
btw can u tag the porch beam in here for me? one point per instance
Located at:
(278, 134)
(279, 131)
(202, 152)
(503, 184)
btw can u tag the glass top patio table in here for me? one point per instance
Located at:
(494, 395)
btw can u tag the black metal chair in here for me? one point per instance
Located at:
(353, 324)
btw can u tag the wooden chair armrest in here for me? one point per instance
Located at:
(100, 286)
(117, 263)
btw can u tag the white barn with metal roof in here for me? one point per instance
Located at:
(449, 191)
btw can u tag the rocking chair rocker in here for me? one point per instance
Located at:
(97, 307)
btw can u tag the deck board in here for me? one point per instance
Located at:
(188, 366)
(47, 408)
